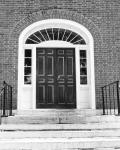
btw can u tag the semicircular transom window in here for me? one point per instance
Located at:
(55, 34)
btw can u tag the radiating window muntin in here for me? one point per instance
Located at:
(55, 34)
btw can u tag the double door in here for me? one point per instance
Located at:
(55, 78)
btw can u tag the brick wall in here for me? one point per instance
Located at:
(100, 17)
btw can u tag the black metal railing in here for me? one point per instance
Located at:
(6, 100)
(110, 98)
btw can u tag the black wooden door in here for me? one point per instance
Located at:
(55, 78)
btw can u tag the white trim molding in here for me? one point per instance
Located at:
(27, 93)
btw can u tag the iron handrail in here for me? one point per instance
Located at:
(6, 100)
(109, 84)
(110, 98)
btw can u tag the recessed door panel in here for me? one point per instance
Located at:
(61, 94)
(70, 93)
(41, 94)
(60, 65)
(70, 66)
(50, 91)
(50, 66)
(55, 78)
(41, 65)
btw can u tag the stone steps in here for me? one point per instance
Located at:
(60, 130)
(58, 119)
(49, 116)
(60, 134)
(58, 116)
(88, 136)
(61, 144)
(60, 127)
(91, 136)
(41, 112)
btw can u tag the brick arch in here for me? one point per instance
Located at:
(54, 14)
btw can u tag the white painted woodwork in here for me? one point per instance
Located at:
(85, 94)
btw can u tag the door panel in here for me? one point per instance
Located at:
(41, 65)
(70, 93)
(70, 66)
(60, 65)
(55, 78)
(41, 94)
(50, 94)
(61, 98)
(50, 65)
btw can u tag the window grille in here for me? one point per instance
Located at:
(27, 66)
(83, 67)
(55, 34)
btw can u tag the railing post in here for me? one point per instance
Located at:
(4, 102)
(1, 98)
(118, 102)
(103, 101)
(10, 113)
(114, 98)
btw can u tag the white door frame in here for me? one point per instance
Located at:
(61, 23)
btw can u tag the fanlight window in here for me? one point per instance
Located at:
(55, 34)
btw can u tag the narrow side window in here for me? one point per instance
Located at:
(27, 66)
(83, 67)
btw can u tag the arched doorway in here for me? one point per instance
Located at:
(56, 66)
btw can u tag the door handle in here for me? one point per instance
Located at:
(58, 77)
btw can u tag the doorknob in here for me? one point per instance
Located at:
(58, 77)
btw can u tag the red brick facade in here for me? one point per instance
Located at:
(100, 17)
